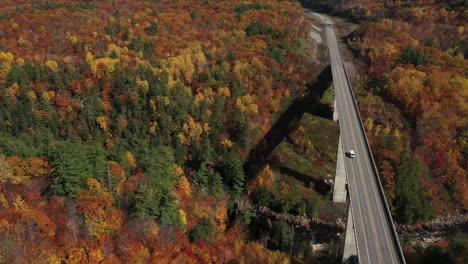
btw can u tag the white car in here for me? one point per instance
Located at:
(351, 154)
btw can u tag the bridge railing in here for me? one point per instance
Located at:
(376, 173)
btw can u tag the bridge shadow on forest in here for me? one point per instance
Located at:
(319, 185)
(287, 122)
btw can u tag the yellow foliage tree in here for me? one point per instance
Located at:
(221, 216)
(265, 178)
(224, 91)
(89, 57)
(6, 171)
(369, 124)
(205, 95)
(103, 65)
(181, 66)
(13, 90)
(143, 84)
(48, 95)
(112, 48)
(246, 104)
(131, 159)
(52, 65)
(25, 168)
(200, 61)
(5, 65)
(192, 131)
(20, 61)
(183, 216)
(227, 142)
(153, 127)
(95, 204)
(20, 204)
(102, 122)
(406, 83)
(183, 185)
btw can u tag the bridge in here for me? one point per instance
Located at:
(376, 238)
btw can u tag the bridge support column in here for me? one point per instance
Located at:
(350, 248)
(339, 189)
(335, 113)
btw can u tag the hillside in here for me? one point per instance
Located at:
(124, 125)
(412, 92)
(414, 100)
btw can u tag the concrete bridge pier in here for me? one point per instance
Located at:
(350, 248)
(339, 189)
(340, 196)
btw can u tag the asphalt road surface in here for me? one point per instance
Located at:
(374, 238)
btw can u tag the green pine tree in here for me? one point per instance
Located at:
(154, 197)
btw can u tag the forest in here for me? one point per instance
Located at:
(124, 125)
(414, 100)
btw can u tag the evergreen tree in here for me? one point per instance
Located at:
(283, 235)
(204, 230)
(154, 198)
(239, 128)
(234, 175)
(437, 255)
(216, 183)
(21, 145)
(96, 156)
(71, 168)
(412, 205)
(413, 56)
(203, 177)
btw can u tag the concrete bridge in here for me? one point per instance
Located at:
(370, 234)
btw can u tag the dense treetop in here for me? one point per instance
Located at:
(124, 124)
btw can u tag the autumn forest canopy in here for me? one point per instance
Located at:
(124, 124)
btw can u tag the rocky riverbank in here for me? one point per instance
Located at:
(435, 225)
